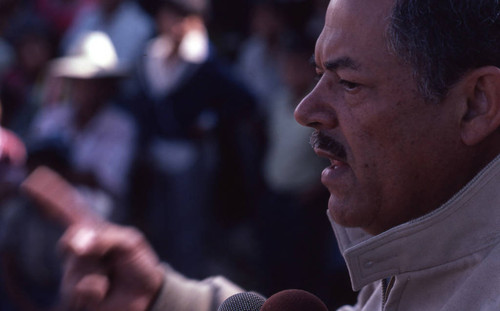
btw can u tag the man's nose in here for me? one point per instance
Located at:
(316, 111)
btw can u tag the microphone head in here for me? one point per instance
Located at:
(293, 300)
(248, 301)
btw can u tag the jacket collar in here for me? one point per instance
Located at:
(465, 224)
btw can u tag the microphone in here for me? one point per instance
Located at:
(248, 301)
(293, 300)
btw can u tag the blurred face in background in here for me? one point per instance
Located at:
(171, 23)
(34, 53)
(90, 94)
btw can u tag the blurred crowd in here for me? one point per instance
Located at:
(173, 116)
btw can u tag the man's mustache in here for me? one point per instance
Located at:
(321, 141)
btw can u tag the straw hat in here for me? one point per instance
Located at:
(92, 57)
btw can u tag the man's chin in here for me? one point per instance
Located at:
(349, 216)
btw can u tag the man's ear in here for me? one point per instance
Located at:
(482, 115)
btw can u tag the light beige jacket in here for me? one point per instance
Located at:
(446, 260)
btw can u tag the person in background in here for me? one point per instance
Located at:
(13, 159)
(23, 85)
(97, 136)
(197, 136)
(257, 62)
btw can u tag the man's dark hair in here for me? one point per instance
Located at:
(444, 39)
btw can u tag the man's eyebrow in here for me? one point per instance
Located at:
(339, 63)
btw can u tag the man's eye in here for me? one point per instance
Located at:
(348, 85)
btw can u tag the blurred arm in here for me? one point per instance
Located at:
(109, 267)
(181, 294)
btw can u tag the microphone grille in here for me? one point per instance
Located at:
(248, 301)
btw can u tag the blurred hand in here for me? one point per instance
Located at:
(108, 267)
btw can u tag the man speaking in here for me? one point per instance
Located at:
(407, 110)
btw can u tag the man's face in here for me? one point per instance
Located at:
(393, 156)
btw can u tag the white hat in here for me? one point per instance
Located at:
(93, 56)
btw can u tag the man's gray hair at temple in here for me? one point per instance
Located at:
(442, 40)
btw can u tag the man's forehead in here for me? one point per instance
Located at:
(353, 27)
(358, 11)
